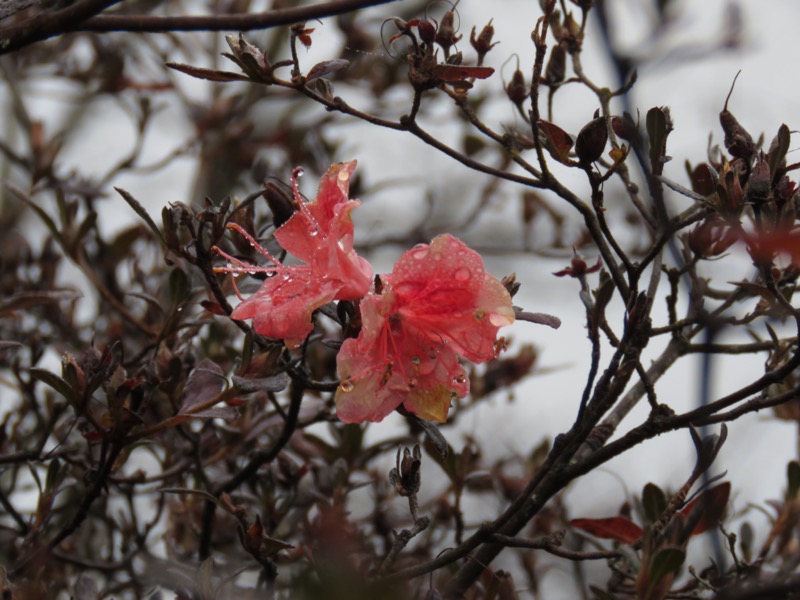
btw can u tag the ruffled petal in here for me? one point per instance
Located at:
(444, 290)
(368, 391)
(433, 392)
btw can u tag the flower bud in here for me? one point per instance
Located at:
(624, 127)
(427, 30)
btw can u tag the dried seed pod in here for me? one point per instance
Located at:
(446, 34)
(737, 140)
(591, 141)
(483, 43)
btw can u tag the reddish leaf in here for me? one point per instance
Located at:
(712, 502)
(451, 73)
(614, 528)
(557, 141)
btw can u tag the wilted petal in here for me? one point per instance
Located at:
(283, 306)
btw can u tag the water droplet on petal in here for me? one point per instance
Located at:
(462, 274)
(299, 172)
(420, 251)
(343, 175)
(235, 275)
(314, 232)
(499, 320)
(346, 386)
(437, 256)
(478, 314)
(415, 360)
(460, 379)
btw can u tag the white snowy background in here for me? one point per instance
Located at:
(694, 88)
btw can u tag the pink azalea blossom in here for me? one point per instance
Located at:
(319, 233)
(438, 304)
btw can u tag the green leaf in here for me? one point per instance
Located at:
(665, 562)
(54, 381)
(657, 131)
(654, 502)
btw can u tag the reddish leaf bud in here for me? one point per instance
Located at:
(591, 141)
(556, 68)
(624, 127)
(517, 90)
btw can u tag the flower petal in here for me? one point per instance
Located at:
(282, 307)
(320, 233)
(444, 290)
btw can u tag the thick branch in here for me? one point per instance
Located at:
(46, 24)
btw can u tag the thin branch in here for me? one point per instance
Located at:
(236, 22)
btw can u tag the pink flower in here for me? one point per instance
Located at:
(320, 233)
(438, 304)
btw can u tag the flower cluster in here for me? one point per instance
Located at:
(437, 305)
(320, 233)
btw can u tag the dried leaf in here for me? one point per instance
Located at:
(207, 74)
(326, 67)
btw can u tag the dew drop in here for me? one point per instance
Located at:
(299, 172)
(437, 256)
(346, 386)
(420, 252)
(460, 379)
(499, 320)
(343, 175)
(462, 274)
(478, 314)
(314, 232)
(235, 275)
(415, 360)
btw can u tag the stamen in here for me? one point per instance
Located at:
(302, 207)
(261, 250)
